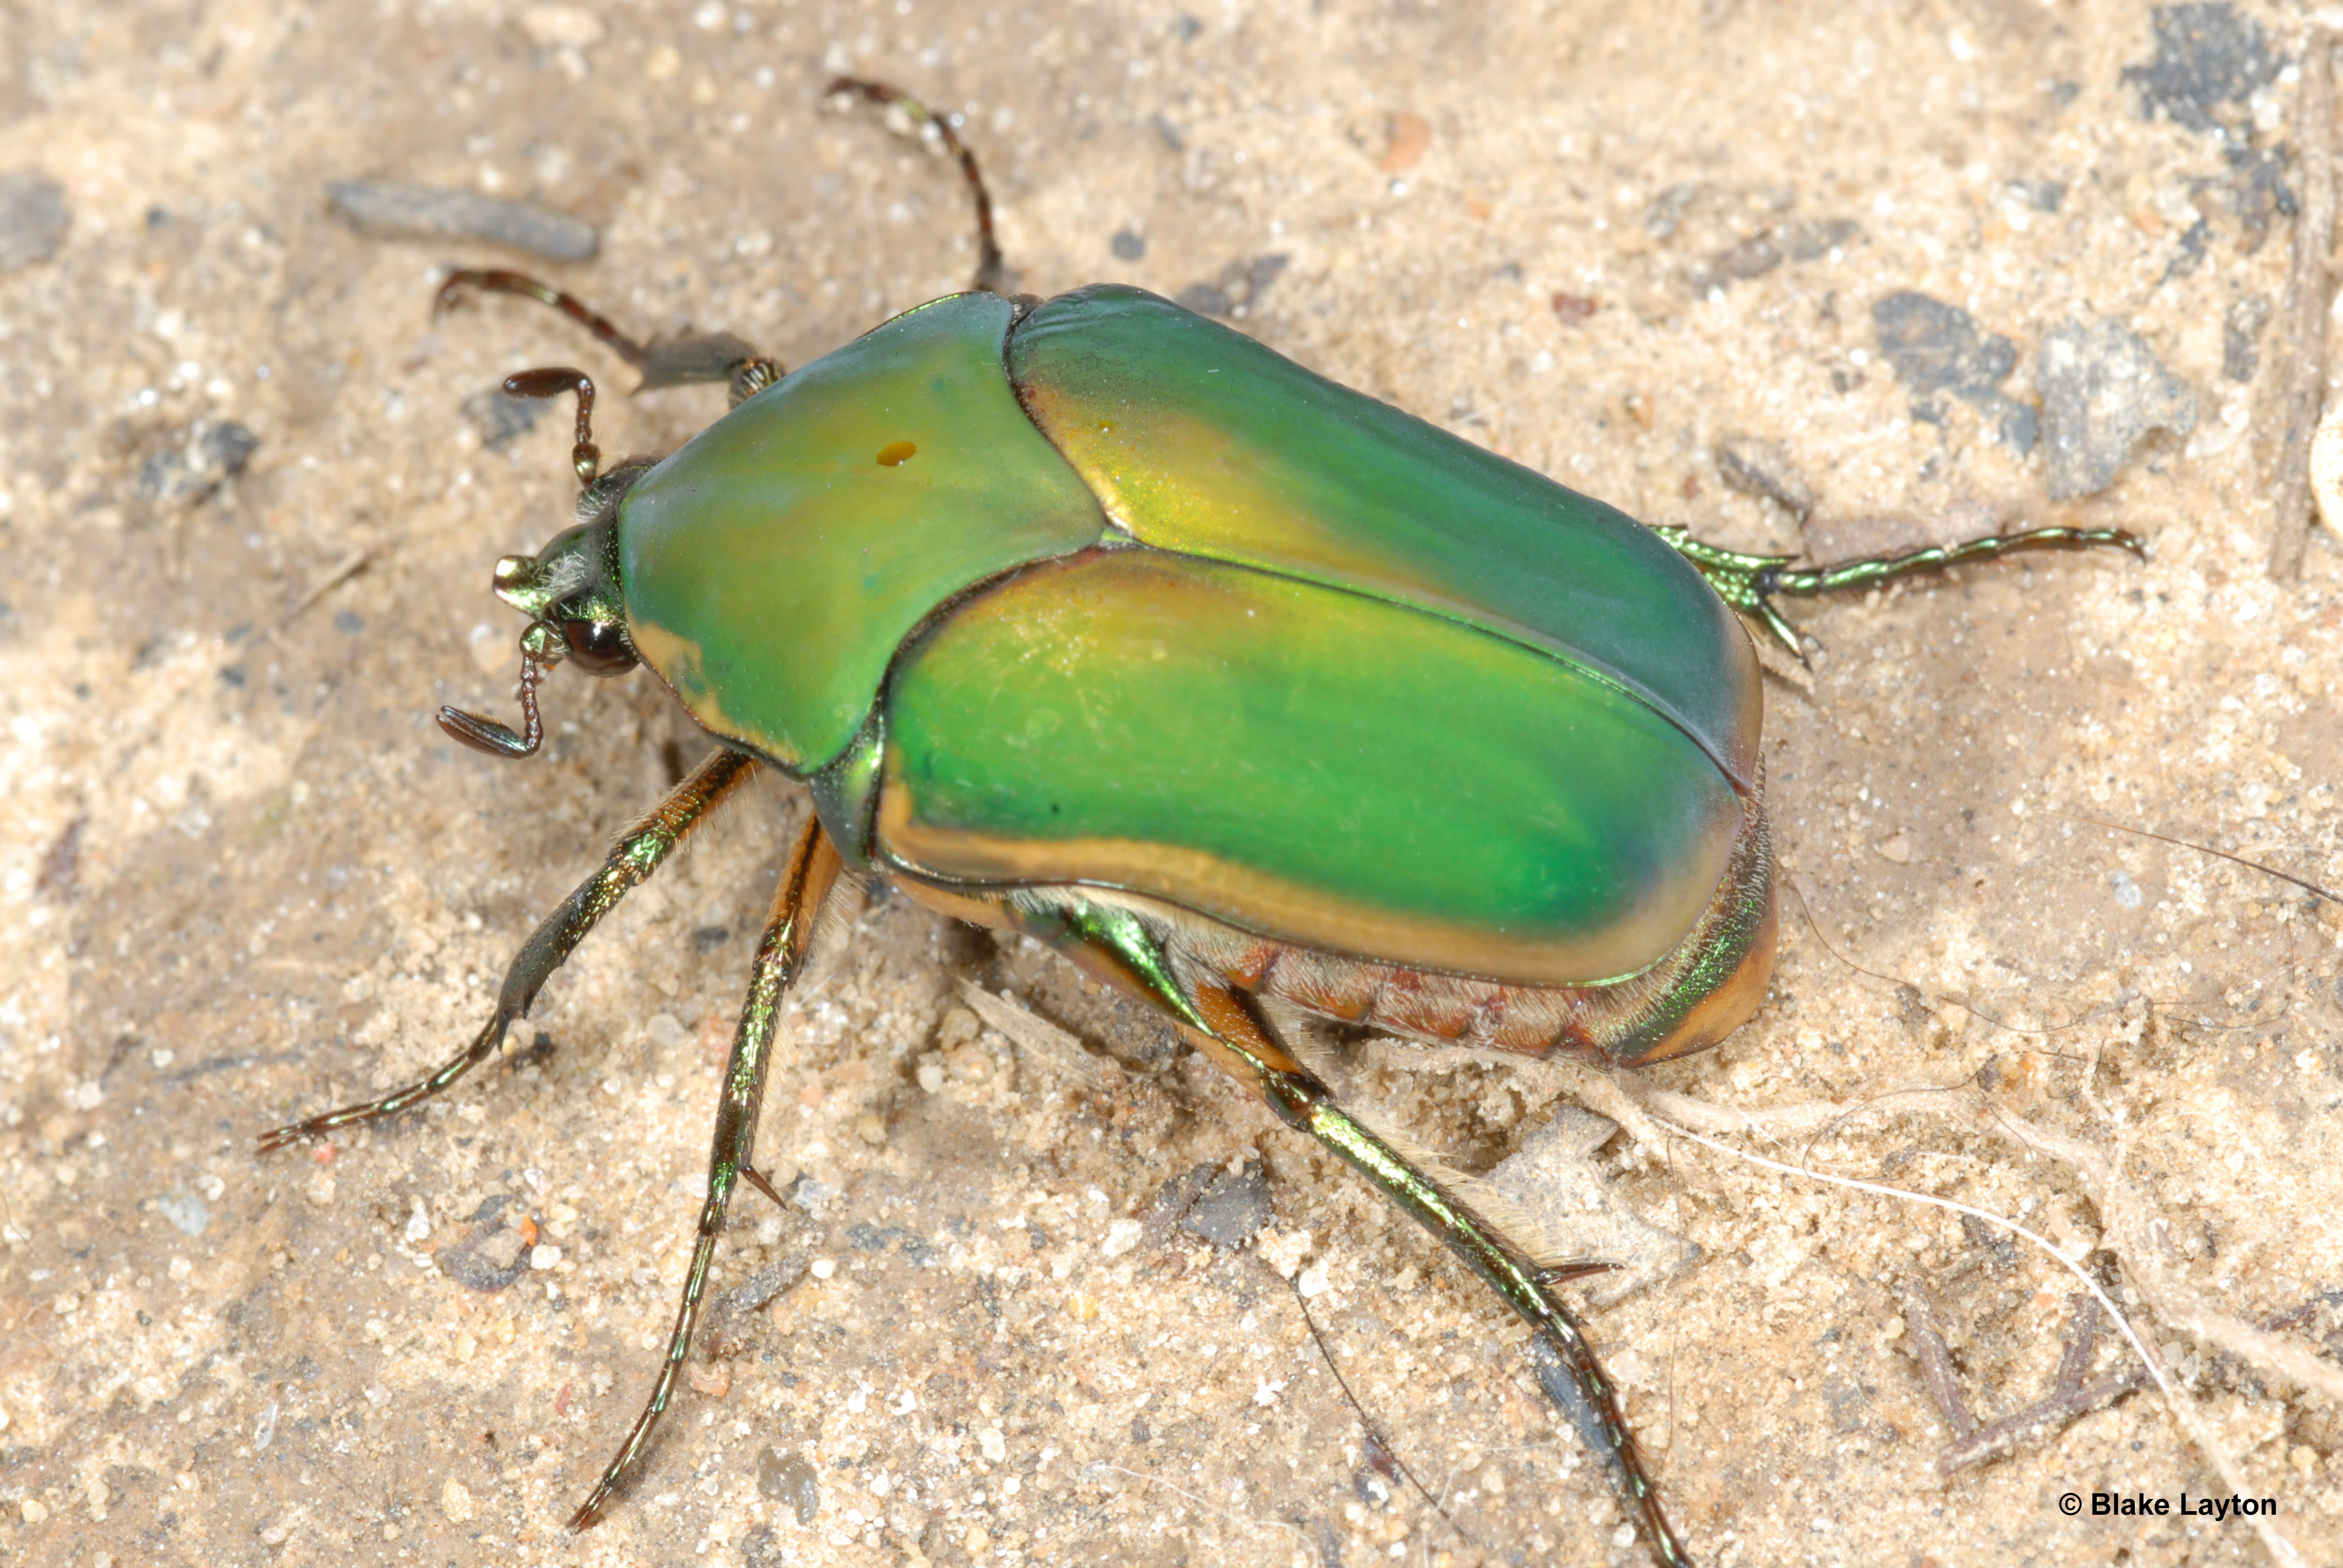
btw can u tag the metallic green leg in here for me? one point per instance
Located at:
(1115, 944)
(1748, 583)
(806, 881)
(636, 857)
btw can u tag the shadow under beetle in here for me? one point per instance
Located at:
(1093, 619)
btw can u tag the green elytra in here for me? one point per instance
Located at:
(1095, 620)
(1368, 720)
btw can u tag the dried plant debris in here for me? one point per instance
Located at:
(1937, 347)
(415, 211)
(32, 219)
(2208, 61)
(1800, 239)
(2068, 1400)
(724, 1331)
(1554, 1179)
(1715, 220)
(495, 1251)
(2102, 390)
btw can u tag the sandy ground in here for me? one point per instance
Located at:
(246, 877)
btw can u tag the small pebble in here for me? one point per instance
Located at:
(562, 26)
(32, 219)
(454, 1501)
(544, 1257)
(33, 1511)
(823, 1268)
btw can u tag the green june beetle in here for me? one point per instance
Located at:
(1093, 619)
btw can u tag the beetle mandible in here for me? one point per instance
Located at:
(1093, 619)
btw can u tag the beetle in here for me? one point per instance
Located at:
(1093, 619)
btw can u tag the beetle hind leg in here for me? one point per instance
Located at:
(811, 872)
(1227, 1027)
(630, 862)
(1749, 583)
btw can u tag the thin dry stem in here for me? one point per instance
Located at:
(2131, 1231)
(2303, 386)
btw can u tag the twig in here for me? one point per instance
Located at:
(2130, 1227)
(340, 572)
(2302, 391)
(2067, 1403)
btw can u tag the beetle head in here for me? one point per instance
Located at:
(569, 591)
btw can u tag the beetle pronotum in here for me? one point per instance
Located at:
(1534, 822)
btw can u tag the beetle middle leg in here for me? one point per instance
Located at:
(807, 878)
(991, 267)
(665, 362)
(631, 861)
(1224, 1024)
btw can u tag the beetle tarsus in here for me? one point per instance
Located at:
(551, 382)
(1227, 1027)
(484, 733)
(634, 858)
(1749, 583)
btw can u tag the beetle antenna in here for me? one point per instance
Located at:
(551, 382)
(538, 653)
(992, 270)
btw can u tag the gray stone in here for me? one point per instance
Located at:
(1937, 347)
(2102, 390)
(1231, 1208)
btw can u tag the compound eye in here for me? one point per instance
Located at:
(599, 647)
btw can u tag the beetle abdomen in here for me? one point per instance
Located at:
(1321, 766)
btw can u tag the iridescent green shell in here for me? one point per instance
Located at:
(1150, 608)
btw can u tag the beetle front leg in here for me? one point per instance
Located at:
(806, 883)
(631, 861)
